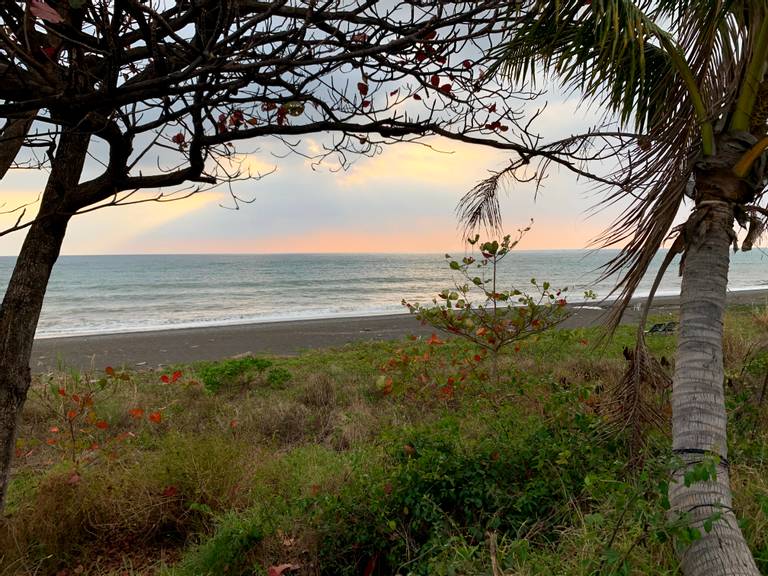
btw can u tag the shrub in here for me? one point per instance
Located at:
(216, 375)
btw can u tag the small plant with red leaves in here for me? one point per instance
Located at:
(80, 427)
(426, 370)
(477, 309)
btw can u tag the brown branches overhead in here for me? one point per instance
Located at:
(165, 89)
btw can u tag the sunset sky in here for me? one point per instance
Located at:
(400, 201)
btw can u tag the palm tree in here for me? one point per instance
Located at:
(685, 80)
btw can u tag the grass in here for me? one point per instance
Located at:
(236, 466)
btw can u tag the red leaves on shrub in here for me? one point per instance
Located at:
(170, 491)
(166, 379)
(434, 340)
(362, 87)
(109, 371)
(156, 417)
(53, 430)
(136, 413)
(102, 424)
(281, 569)
(62, 392)
(71, 414)
(366, 103)
(233, 423)
(416, 97)
(445, 88)
(467, 64)
(435, 80)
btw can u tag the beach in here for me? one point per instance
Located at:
(158, 348)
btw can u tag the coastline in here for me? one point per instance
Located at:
(157, 348)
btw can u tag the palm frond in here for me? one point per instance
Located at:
(605, 50)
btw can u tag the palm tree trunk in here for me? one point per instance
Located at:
(23, 300)
(698, 401)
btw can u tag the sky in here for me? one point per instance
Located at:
(403, 200)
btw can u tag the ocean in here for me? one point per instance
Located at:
(103, 294)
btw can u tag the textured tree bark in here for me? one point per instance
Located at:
(23, 299)
(698, 402)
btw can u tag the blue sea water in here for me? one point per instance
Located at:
(100, 294)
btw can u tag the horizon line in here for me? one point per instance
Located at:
(318, 253)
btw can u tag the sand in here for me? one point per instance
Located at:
(155, 349)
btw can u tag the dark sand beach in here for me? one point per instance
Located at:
(145, 350)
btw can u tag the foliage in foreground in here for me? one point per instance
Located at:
(326, 474)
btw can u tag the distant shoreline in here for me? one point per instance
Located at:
(157, 348)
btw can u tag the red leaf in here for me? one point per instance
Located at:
(156, 417)
(394, 92)
(109, 370)
(165, 379)
(441, 59)
(467, 64)
(445, 88)
(75, 398)
(53, 430)
(492, 108)
(49, 51)
(420, 56)
(178, 138)
(71, 414)
(366, 103)
(176, 376)
(370, 566)
(435, 80)
(41, 10)
(362, 87)
(102, 424)
(434, 340)
(170, 491)
(430, 35)
(416, 97)
(50, 441)
(62, 392)
(136, 413)
(281, 569)
(360, 37)
(233, 423)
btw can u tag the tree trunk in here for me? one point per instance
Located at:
(698, 400)
(23, 299)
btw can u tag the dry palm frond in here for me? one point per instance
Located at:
(632, 404)
(633, 401)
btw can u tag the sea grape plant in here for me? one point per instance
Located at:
(479, 310)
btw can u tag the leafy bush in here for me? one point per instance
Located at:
(216, 375)
(440, 487)
(278, 377)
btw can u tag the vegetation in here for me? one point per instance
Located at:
(328, 474)
(684, 85)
